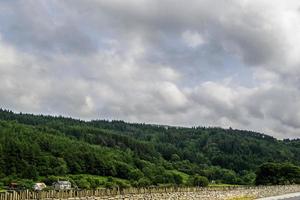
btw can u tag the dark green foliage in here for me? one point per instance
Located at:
(83, 183)
(178, 180)
(143, 182)
(278, 174)
(247, 178)
(135, 174)
(198, 181)
(44, 146)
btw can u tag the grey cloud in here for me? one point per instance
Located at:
(128, 60)
(279, 103)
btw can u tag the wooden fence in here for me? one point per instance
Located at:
(65, 194)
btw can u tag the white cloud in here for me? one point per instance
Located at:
(192, 39)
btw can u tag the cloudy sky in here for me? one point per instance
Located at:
(228, 63)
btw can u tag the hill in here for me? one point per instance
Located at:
(107, 153)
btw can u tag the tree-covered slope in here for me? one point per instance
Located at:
(41, 146)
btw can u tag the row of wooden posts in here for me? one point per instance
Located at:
(65, 194)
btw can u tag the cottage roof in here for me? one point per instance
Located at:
(40, 184)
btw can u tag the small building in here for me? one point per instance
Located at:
(39, 186)
(62, 185)
(14, 186)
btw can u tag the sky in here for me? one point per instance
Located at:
(225, 63)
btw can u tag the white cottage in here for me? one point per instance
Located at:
(39, 186)
(62, 185)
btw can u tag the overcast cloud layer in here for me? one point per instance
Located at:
(199, 62)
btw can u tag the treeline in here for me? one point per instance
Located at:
(31, 153)
(40, 147)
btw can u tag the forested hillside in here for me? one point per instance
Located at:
(107, 153)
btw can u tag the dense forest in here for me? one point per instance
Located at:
(102, 153)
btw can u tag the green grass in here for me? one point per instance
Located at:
(86, 180)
